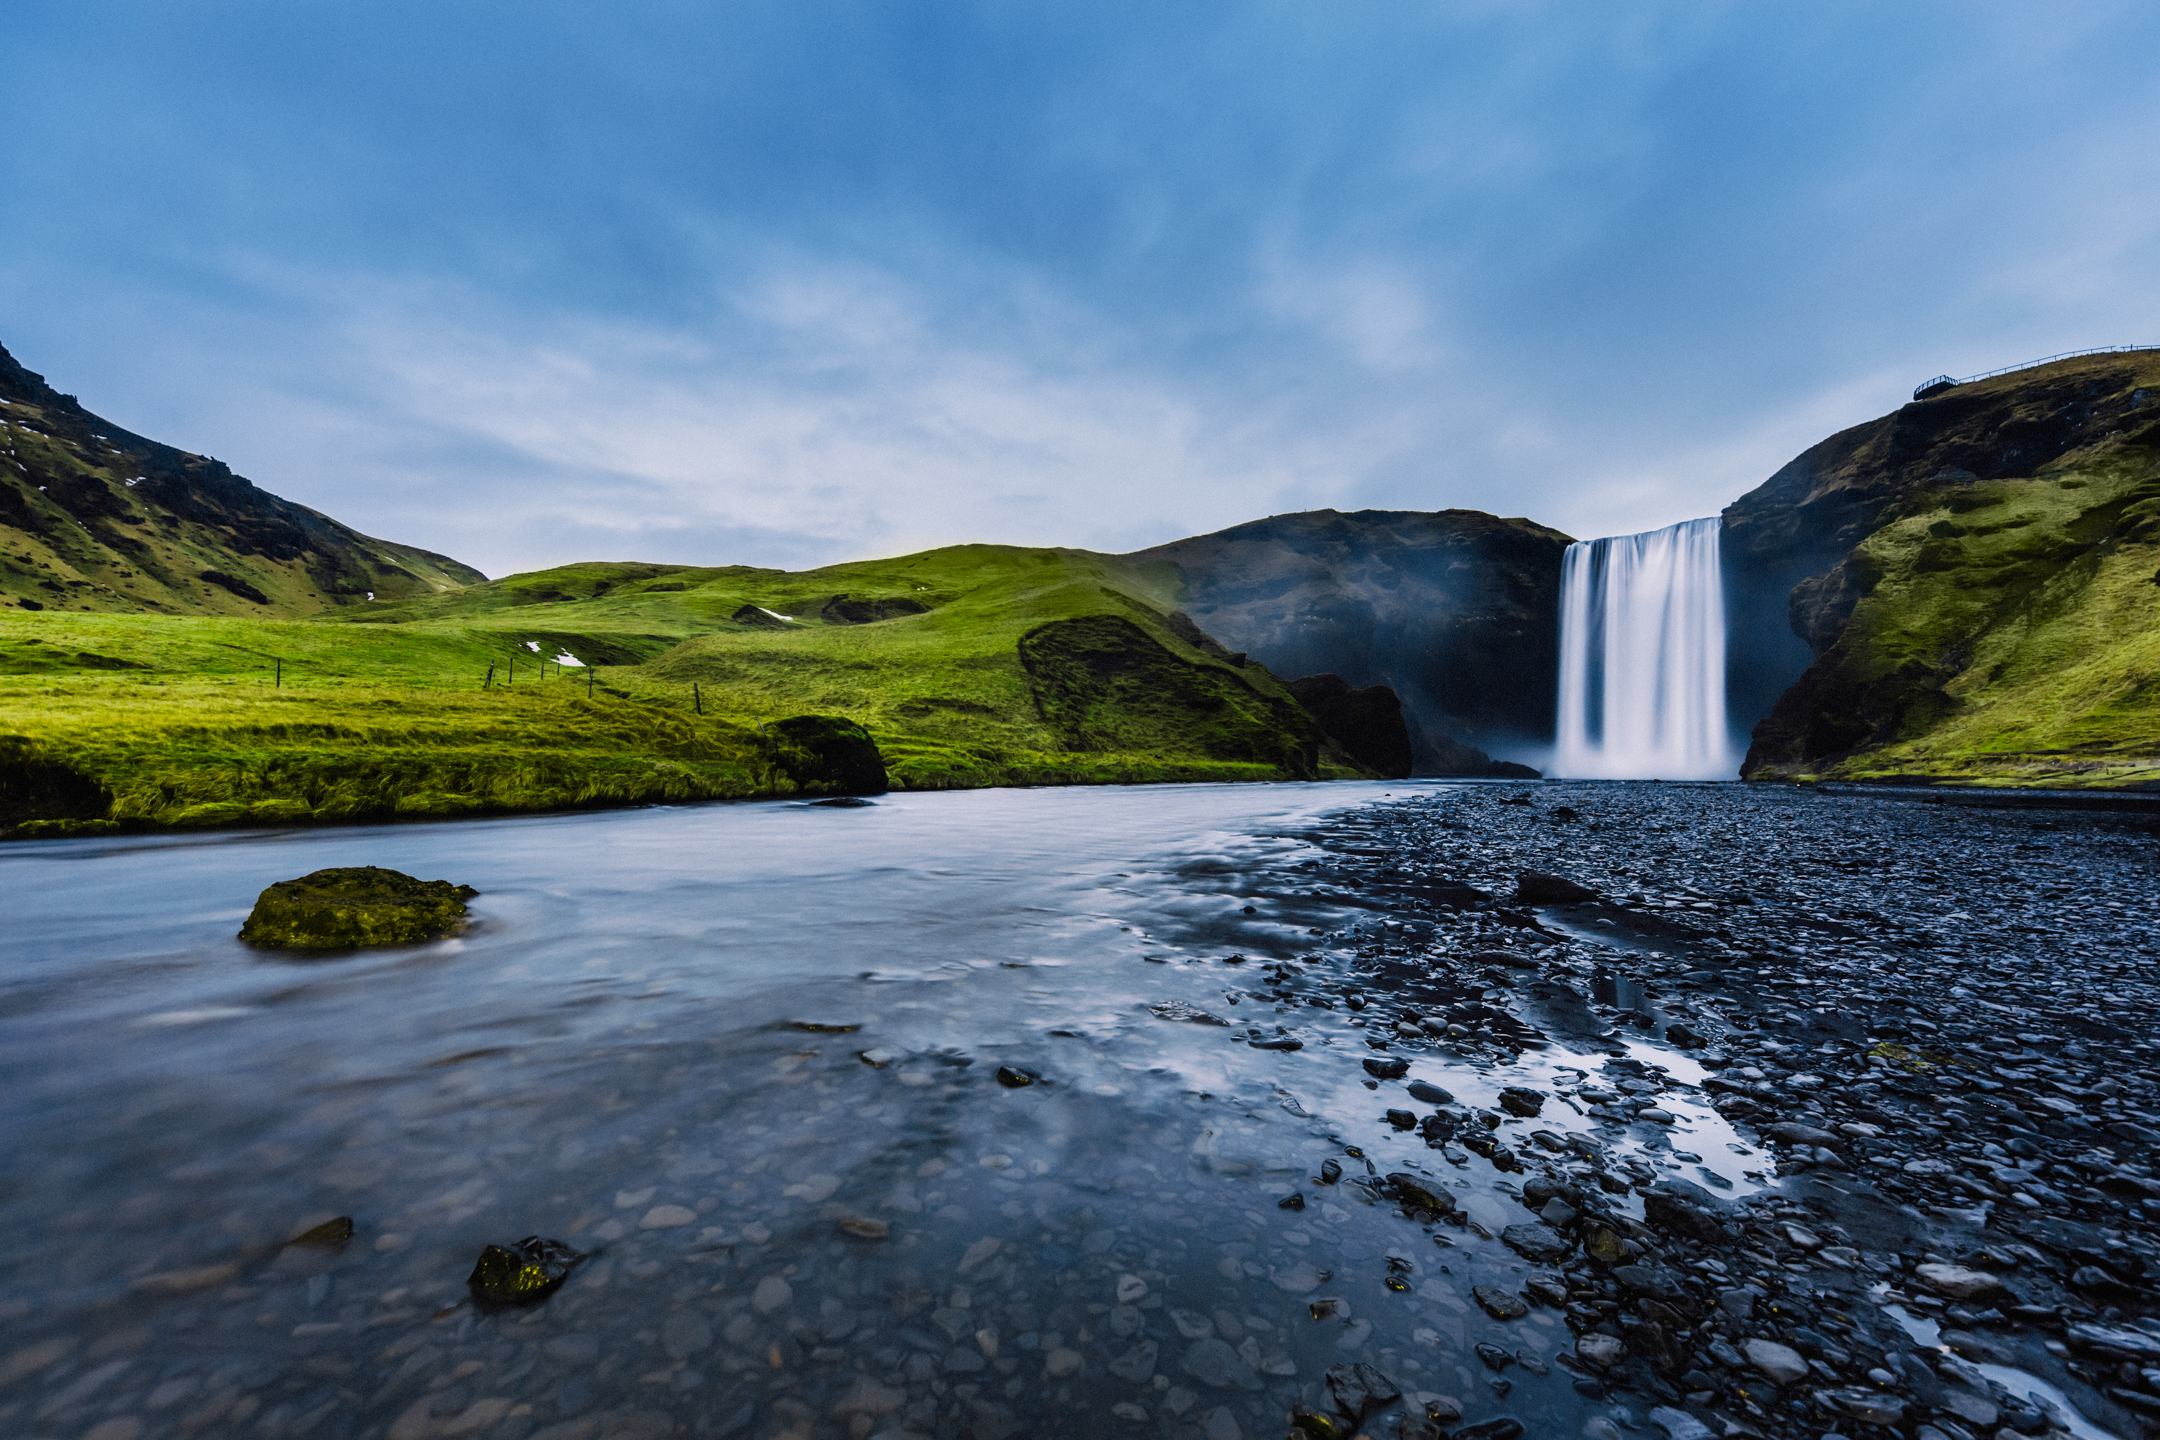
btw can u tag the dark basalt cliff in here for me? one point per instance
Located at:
(1456, 611)
(1866, 577)
(96, 518)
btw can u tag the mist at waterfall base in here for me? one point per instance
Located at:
(1642, 658)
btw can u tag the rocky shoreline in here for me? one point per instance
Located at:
(1938, 1021)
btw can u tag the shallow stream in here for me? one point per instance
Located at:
(749, 1056)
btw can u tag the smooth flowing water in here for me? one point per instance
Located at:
(758, 1059)
(1642, 658)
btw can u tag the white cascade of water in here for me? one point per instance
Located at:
(1642, 658)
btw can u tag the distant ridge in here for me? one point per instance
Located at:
(94, 517)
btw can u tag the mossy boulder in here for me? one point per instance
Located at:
(825, 755)
(355, 906)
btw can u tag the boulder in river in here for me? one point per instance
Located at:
(354, 906)
(521, 1274)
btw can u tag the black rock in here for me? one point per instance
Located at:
(1503, 1428)
(1648, 1280)
(1415, 1194)
(1014, 1078)
(1521, 1102)
(521, 1274)
(1330, 1172)
(827, 755)
(1367, 723)
(1402, 1119)
(1389, 1068)
(1359, 1390)
(1494, 1356)
(1429, 1093)
(1532, 888)
(840, 610)
(1291, 1202)
(1276, 1042)
(330, 1235)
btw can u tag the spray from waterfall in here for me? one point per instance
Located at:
(1642, 658)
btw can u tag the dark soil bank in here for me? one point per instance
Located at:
(1937, 1017)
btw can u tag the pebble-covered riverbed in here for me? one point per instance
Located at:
(1205, 1111)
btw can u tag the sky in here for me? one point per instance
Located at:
(798, 282)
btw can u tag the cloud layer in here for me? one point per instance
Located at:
(792, 283)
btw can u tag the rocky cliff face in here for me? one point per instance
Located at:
(1784, 541)
(95, 518)
(1456, 611)
(1940, 570)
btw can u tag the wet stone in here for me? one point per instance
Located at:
(521, 1274)
(1500, 1304)
(1781, 1363)
(685, 1334)
(1136, 1365)
(1213, 1363)
(1521, 1101)
(1536, 1241)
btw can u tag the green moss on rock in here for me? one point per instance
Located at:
(354, 906)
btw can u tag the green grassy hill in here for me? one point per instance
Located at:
(994, 666)
(2002, 630)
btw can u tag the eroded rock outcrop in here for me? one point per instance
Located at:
(1455, 611)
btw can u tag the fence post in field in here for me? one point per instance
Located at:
(490, 681)
(697, 701)
(588, 682)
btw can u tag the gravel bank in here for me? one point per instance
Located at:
(1936, 1019)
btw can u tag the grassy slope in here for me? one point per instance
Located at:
(2009, 634)
(95, 520)
(382, 712)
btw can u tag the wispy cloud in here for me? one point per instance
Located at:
(788, 284)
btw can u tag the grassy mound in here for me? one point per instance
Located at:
(2006, 632)
(626, 684)
(1103, 683)
(355, 906)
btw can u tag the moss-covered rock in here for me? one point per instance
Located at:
(825, 755)
(354, 906)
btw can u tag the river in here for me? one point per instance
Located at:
(749, 1056)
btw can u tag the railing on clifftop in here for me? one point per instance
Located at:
(1928, 389)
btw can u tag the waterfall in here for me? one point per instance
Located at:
(1642, 658)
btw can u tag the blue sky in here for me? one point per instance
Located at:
(797, 282)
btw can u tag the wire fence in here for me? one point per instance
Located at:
(1944, 382)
